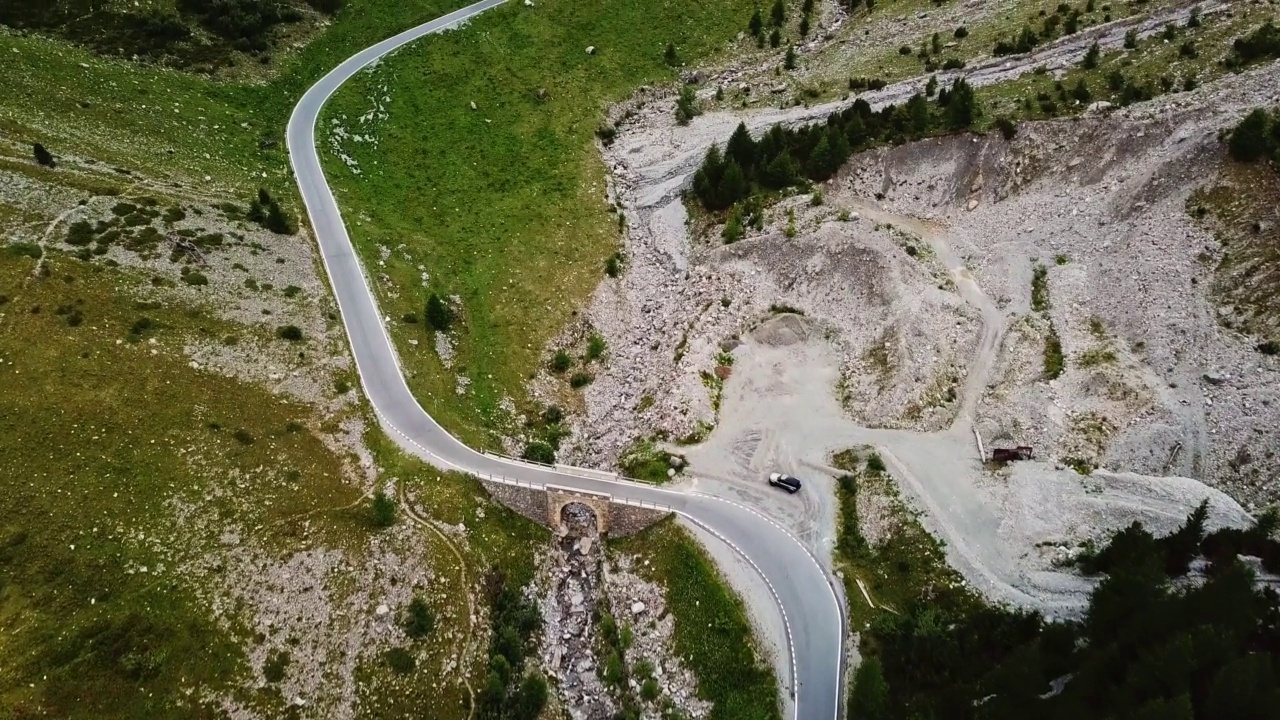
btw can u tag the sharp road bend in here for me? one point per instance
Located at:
(812, 613)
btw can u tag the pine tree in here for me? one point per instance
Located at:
(779, 13)
(686, 105)
(706, 181)
(775, 38)
(781, 171)
(789, 62)
(1081, 91)
(1091, 57)
(277, 221)
(817, 165)
(742, 148)
(1183, 546)
(918, 114)
(757, 23)
(528, 701)
(962, 109)
(670, 55)
(733, 186)
(804, 26)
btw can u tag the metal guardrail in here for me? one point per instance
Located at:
(544, 487)
(571, 469)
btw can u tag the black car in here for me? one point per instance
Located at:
(786, 482)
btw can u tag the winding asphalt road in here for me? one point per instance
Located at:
(811, 610)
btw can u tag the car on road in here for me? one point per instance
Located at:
(786, 482)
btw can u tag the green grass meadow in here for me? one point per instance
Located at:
(173, 126)
(503, 206)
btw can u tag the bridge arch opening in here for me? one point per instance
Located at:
(579, 519)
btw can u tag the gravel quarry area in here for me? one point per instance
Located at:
(900, 316)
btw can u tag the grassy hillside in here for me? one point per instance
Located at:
(152, 513)
(503, 206)
(201, 35)
(103, 434)
(176, 127)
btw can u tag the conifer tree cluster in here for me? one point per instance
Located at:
(1178, 629)
(785, 157)
(265, 210)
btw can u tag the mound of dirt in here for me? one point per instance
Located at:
(784, 329)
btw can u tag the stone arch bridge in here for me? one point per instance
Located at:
(569, 511)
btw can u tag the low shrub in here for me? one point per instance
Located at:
(580, 379)
(1255, 137)
(560, 362)
(419, 619)
(43, 156)
(875, 464)
(595, 347)
(686, 105)
(382, 510)
(439, 314)
(292, 333)
(80, 233)
(1008, 128)
(140, 326)
(400, 660)
(1054, 362)
(195, 279)
(273, 670)
(26, 249)
(613, 266)
(539, 452)
(1025, 42)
